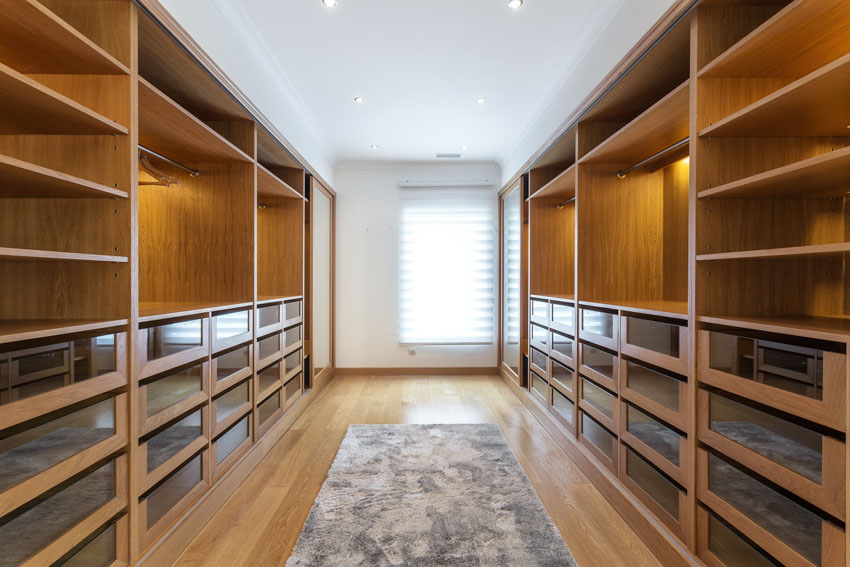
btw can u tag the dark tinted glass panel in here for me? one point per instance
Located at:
(539, 359)
(232, 362)
(655, 434)
(168, 494)
(562, 405)
(732, 549)
(232, 324)
(269, 376)
(655, 484)
(562, 375)
(99, 552)
(598, 360)
(656, 386)
(269, 346)
(540, 335)
(292, 361)
(293, 309)
(654, 335)
(292, 335)
(94, 357)
(173, 439)
(165, 392)
(562, 344)
(598, 323)
(539, 385)
(268, 407)
(166, 340)
(598, 435)
(231, 439)
(231, 401)
(268, 315)
(293, 388)
(597, 397)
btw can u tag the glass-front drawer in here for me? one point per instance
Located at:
(563, 317)
(540, 385)
(100, 551)
(788, 521)
(785, 366)
(173, 338)
(563, 405)
(540, 311)
(599, 326)
(539, 360)
(292, 337)
(268, 407)
(562, 375)
(28, 533)
(292, 361)
(731, 547)
(231, 439)
(53, 359)
(268, 315)
(94, 356)
(268, 377)
(653, 335)
(292, 309)
(788, 444)
(540, 335)
(173, 439)
(163, 393)
(231, 401)
(562, 345)
(600, 437)
(599, 361)
(292, 389)
(229, 325)
(658, 487)
(28, 452)
(654, 434)
(169, 493)
(655, 386)
(598, 398)
(269, 346)
(232, 362)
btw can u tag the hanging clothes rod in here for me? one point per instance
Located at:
(189, 170)
(565, 203)
(672, 148)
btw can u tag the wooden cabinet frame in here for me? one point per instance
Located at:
(679, 364)
(569, 330)
(535, 343)
(150, 479)
(610, 343)
(677, 418)
(563, 359)
(219, 468)
(270, 359)
(148, 368)
(225, 344)
(610, 463)
(542, 321)
(543, 372)
(610, 383)
(219, 386)
(677, 473)
(148, 424)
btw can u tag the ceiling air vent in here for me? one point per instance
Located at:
(447, 156)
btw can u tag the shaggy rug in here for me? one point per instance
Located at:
(428, 495)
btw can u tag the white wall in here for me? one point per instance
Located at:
(367, 267)
(623, 31)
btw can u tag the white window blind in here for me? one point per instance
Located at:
(512, 219)
(447, 266)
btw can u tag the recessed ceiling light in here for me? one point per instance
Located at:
(374, 146)
(481, 100)
(463, 147)
(332, 3)
(514, 4)
(359, 99)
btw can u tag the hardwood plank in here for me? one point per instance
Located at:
(23, 179)
(15, 330)
(31, 108)
(789, 252)
(25, 255)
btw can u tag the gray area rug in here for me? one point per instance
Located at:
(779, 449)
(428, 495)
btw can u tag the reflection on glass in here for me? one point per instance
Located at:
(655, 484)
(269, 376)
(539, 359)
(788, 444)
(24, 454)
(732, 549)
(563, 315)
(540, 335)
(562, 375)
(598, 322)
(654, 433)
(656, 386)
(597, 397)
(166, 340)
(28, 533)
(562, 405)
(292, 361)
(232, 324)
(321, 245)
(269, 346)
(172, 440)
(791, 523)
(230, 401)
(653, 335)
(267, 408)
(293, 388)
(231, 439)
(539, 385)
(292, 336)
(511, 268)
(99, 552)
(562, 344)
(165, 392)
(232, 362)
(168, 494)
(292, 309)
(268, 315)
(598, 360)
(598, 435)
(539, 309)
(785, 366)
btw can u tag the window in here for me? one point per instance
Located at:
(447, 266)
(511, 270)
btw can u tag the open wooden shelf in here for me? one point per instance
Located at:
(661, 125)
(823, 328)
(826, 175)
(788, 252)
(167, 128)
(815, 105)
(15, 330)
(564, 185)
(803, 36)
(155, 310)
(31, 108)
(25, 255)
(273, 299)
(35, 40)
(660, 307)
(271, 154)
(557, 297)
(23, 179)
(269, 185)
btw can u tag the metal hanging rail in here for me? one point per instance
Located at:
(565, 203)
(672, 148)
(189, 170)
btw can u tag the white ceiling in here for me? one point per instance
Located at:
(420, 64)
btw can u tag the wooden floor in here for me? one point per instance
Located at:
(260, 523)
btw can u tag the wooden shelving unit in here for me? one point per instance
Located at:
(132, 297)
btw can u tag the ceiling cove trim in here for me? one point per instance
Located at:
(677, 11)
(167, 22)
